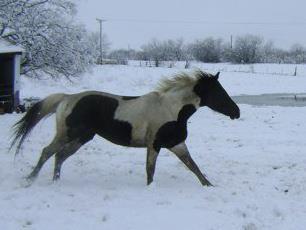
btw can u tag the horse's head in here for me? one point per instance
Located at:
(213, 95)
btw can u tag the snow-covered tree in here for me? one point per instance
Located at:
(54, 44)
(169, 50)
(155, 51)
(207, 50)
(247, 49)
(298, 53)
(174, 49)
(123, 55)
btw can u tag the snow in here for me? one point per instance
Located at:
(6, 47)
(257, 164)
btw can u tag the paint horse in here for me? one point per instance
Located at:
(155, 120)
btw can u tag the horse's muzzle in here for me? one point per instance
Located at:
(236, 114)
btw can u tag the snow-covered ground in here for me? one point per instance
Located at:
(257, 164)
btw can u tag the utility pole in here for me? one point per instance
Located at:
(129, 53)
(101, 48)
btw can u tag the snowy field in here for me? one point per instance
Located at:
(257, 164)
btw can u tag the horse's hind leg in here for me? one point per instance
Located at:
(47, 152)
(69, 149)
(81, 136)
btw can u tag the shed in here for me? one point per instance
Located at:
(10, 56)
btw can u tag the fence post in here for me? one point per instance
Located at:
(295, 71)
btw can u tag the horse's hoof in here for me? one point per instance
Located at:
(30, 178)
(56, 179)
(208, 184)
(28, 181)
(149, 181)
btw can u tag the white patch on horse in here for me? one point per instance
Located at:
(153, 110)
(144, 114)
(180, 149)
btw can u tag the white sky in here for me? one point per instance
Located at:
(134, 22)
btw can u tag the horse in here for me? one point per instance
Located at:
(153, 121)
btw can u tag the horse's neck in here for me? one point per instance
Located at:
(176, 100)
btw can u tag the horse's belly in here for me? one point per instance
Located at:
(122, 140)
(139, 132)
(117, 132)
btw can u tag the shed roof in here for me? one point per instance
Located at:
(6, 47)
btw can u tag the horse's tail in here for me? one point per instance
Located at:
(38, 111)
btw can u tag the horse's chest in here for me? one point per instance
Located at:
(170, 134)
(174, 132)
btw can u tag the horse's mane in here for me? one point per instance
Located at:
(181, 80)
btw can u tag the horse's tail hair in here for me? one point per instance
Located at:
(38, 111)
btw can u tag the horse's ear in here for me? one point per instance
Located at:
(217, 75)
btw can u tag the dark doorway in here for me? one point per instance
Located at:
(7, 83)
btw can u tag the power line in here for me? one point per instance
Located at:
(161, 21)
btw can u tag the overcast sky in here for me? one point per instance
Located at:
(135, 22)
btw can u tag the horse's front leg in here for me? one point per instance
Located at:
(151, 162)
(181, 151)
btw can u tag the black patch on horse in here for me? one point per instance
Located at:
(127, 98)
(174, 132)
(202, 89)
(94, 114)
